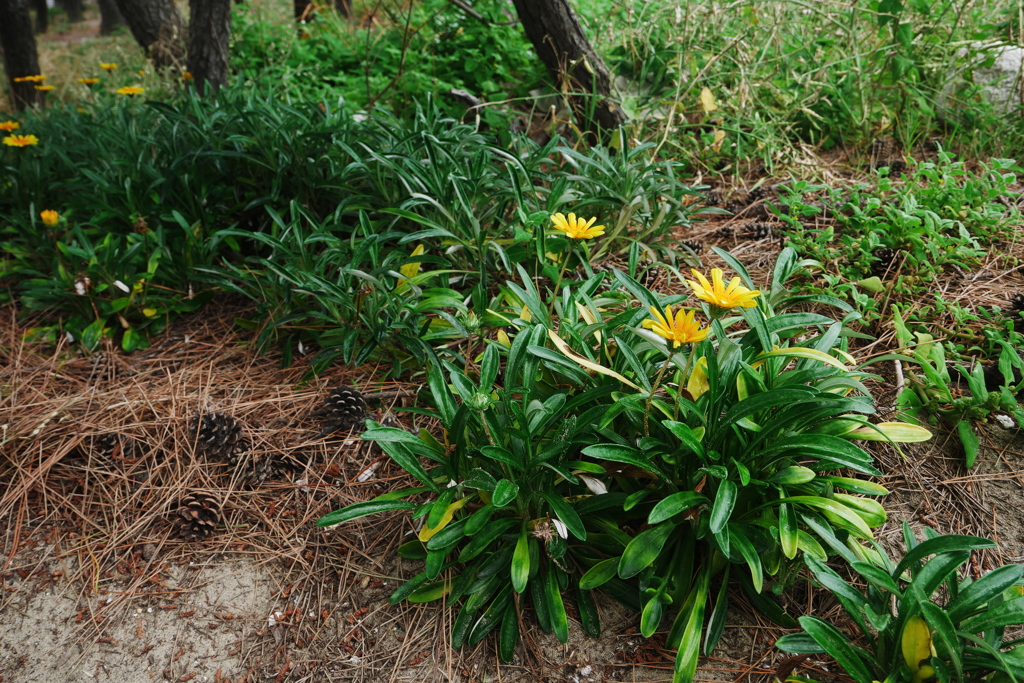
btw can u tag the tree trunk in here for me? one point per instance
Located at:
(42, 16)
(20, 58)
(300, 8)
(344, 8)
(558, 38)
(158, 27)
(74, 10)
(110, 17)
(209, 28)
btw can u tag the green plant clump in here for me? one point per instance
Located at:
(645, 456)
(917, 620)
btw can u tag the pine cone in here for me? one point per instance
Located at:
(197, 516)
(107, 449)
(344, 408)
(713, 198)
(219, 435)
(886, 261)
(696, 246)
(758, 231)
(251, 467)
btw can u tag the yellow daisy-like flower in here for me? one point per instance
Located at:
(20, 140)
(44, 88)
(108, 66)
(577, 228)
(88, 81)
(30, 79)
(50, 218)
(9, 126)
(130, 90)
(717, 293)
(187, 75)
(680, 328)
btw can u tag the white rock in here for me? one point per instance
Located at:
(1000, 81)
(1006, 421)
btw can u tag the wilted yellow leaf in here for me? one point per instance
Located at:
(707, 100)
(426, 533)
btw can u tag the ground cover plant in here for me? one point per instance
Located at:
(574, 431)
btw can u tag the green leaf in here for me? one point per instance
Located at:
(746, 549)
(599, 574)
(565, 513)
(504, 493)
(556, 608)
(479, 519)
(623, 454)
(590, 619)
(941, 544)
(685, 435)
(983, 591)
(794, 474)
(852, 658)
(716, 622)
(430, 592)
(650, 616)
(644, 549)
(369, 507)
(1005, 614)
(689, 643)
(969, 440)
(508, 637)
(788, 532)
(502, 455)
(484, 538)
(521, 563)
(672, 505)
(725, 501)
(945, 640)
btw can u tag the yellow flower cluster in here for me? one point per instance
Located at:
(9, 126)
(50, 217)
(681, 327)
(130, 90)
(30, 79)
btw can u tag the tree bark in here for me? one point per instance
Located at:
(20, 58)
(42, 15)
(158, 27)
(209, 28)
(110, 17)
(74, 10)
(558, 38)
(344, 8)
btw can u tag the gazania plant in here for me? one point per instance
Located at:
(652, 451)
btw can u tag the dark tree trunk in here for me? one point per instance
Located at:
(19, 46)
(209, 28)
(344, 8)
(110, 17)
(300, 7)
(158, 27)
(74, 10)
(558, 38)
(42, 16)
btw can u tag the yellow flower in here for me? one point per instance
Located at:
(187, 75)
(9, 126)
(678, 329)
(130, 90)
(718, 294)
(30, 79)
(142, 72)
(44, 88)
(109, 66)
(20, 140)
(50, 217)
(88, 81)
(577, 228)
